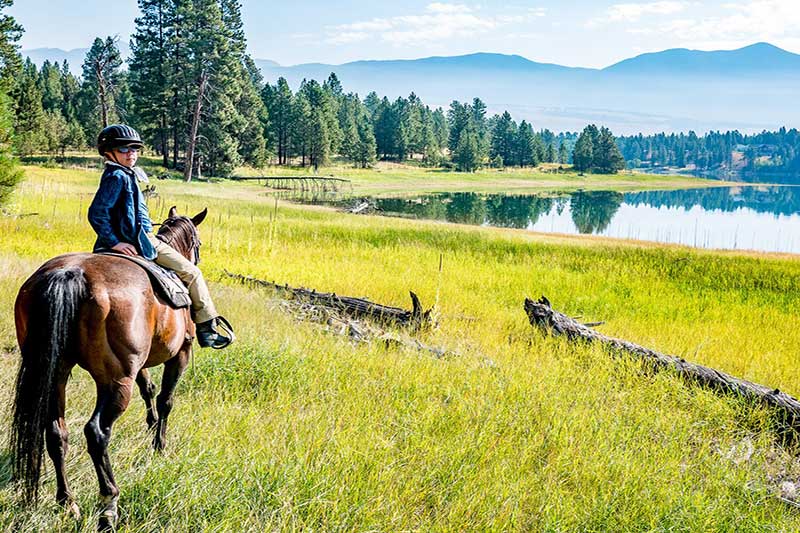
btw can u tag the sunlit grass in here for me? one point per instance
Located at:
(399, 178)
(294, 428)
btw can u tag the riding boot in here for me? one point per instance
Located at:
(209, 337)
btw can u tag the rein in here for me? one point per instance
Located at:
(180, 233)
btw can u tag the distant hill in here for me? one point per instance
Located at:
(74, 57)
(752, 88)
(756, 59)
(749, 89)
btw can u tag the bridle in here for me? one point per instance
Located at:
(169, 237)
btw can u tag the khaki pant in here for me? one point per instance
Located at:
(202, 306)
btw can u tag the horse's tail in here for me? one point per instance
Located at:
(54, 303)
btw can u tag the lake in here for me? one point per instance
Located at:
(738, 218)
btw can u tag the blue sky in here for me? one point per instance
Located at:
(570, 32)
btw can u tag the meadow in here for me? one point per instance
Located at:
(294, 428)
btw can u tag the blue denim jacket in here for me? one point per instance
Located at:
(114, 214)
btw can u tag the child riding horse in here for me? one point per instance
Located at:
(100, 312)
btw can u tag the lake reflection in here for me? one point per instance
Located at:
(756, 218)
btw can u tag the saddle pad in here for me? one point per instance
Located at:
(166, 282)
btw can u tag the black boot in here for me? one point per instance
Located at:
(209, 337)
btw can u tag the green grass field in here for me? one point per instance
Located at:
(396, 178)
(294, 428)
(404, 178)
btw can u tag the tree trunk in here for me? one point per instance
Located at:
(190, 148)
(175, 130)
(101, 92)
(164, 145)
(542, 315)
(347, 305)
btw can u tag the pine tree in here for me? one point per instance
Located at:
(349, 108)
(539, 148)
(550, 153)
(255, 116)
(525, 146)
(383, 125)
(29, 134)
(213, 59)
(301, 111)
(150, 81)
(100, 85)
(607, 157)
(320, 125)
(478, 112)
(10, 32)
(440, 129)
(333, 89)
(70, 87)
(459, 116)
(10, 173)
(563, 154)
(429, 143)
(366, 149)
(50, 86)
(372, 102)
(467, 155)
(503, 139)
(10, 60)
(279, 103)
(583, 155)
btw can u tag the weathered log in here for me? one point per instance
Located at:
(415, 319)
(542, 315)
(360, 208)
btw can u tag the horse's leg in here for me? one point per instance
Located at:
(173, 369)
(148, 391)
(57, 437)
(112, 400)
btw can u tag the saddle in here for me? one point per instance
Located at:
(165, 282)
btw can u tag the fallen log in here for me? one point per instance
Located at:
(542, 315)
(414, 319)
(360, 208)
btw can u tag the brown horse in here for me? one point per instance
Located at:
(98, 312)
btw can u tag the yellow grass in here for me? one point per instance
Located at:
(295, 428)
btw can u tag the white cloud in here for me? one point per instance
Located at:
(438, 22)
(633, 12)
(438, 7)
(776, 21)
(347, 37)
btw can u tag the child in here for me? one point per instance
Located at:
(120, 218)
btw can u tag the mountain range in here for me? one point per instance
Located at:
(752, 88)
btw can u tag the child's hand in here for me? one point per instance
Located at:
(125, 248)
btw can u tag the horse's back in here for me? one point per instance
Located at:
(120, 312)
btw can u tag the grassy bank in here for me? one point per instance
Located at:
(295, 428)
(394, 178)
(404, 178)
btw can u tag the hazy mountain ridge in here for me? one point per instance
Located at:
(752, 88)
(757, 58)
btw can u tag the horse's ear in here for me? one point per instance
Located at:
(173, 212)
(199, 217)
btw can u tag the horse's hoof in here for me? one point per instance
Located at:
(107, 522)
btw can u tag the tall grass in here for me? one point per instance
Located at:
(294, 428)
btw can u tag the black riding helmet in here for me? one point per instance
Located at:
(116, 136)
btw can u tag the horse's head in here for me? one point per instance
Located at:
(180, 232)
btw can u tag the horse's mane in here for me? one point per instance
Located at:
(180, 233)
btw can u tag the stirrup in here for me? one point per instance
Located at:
(226, 327)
